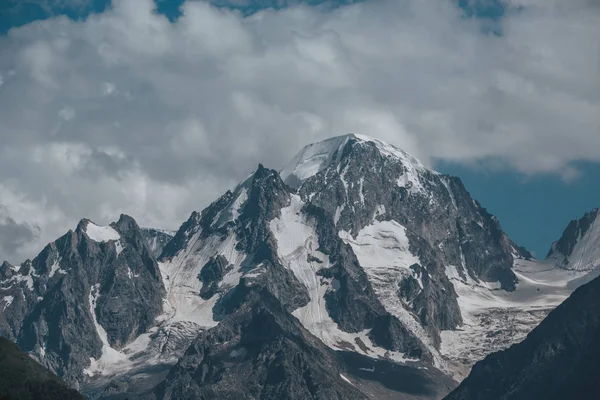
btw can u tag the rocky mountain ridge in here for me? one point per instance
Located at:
(91, 291)
(354, 251)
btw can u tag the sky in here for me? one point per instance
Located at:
(155, 109)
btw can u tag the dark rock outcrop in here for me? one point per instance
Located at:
(156, 239)
(21, 378)
(211, 274)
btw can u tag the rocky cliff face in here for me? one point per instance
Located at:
(557, 360)
(578, 248)
(156, 239)
(92, 291)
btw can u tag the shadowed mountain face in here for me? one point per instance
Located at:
(21, 378)
(558, 359)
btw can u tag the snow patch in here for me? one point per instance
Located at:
(28, 279)
(7, 300)
(450, 193)
(232, 212)
(180, 276)
(238, 353)
(119, 247)
(110, 357)
(338, 213)
(55, 268)
(312, 159)
(360, 192)
(42, 351)
(237, 204)
(297, 245)
(101, 233)
(383, 251)
(495, 319)
(372, 369)
(346, 379)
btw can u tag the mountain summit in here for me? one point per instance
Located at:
(316, 157)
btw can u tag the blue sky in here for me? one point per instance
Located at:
(16, 12)
(504, 97)
(533, 210)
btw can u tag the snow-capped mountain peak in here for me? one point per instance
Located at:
(316, 157)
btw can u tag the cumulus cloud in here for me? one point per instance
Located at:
(129, 112)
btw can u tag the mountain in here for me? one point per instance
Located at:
(85, 296)
(21, 378)
(578, 249)
(351, 266)
(557, 360)
(415, 232)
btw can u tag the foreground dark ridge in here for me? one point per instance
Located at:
(558, 360)
(21, 378)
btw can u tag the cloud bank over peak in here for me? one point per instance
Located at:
(126, 111)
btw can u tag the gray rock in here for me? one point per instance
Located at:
(156, 239)
(211, 275)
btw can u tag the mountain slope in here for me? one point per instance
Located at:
(362, 245)
(557, 360)
(578, 249)
(21, 378)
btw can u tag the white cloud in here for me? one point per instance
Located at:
(67, 113)
(126, 111)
